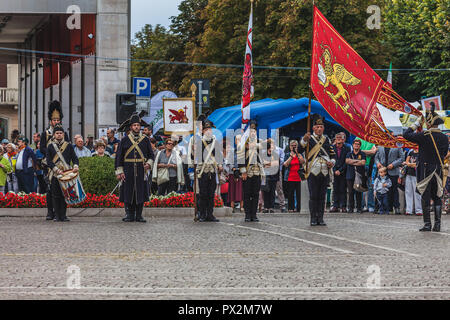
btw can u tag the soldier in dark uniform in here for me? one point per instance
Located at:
(56, 148)
(321, 159)
(133, 158)
(209, 165)
(195, 139)
(55, 116)
(433, 147)
(251, 169)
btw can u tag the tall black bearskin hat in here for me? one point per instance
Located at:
(317, 119)
(57, 128)
(55, 111)
(432, 118)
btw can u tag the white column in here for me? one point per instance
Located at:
(112, 41)
(76, 98)
(89, 97)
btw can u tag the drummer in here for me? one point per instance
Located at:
(60, 154)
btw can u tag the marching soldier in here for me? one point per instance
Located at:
(433, 147)
(60, 154)
(321, 159)
(133, 158)
(190, 158)
(55, 116)
(208, 157)
(251, 170)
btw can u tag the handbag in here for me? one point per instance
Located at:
(163, 174)
(360, 183)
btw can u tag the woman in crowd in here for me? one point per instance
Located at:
(42, 186)
(11, 155)
(235, 193)
(293, 160)
(100, 149)
(413, 198)
(5, 169)
(356, 161)
(224, 175)
(271, 174)
(168, 169)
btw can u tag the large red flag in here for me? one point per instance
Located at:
(350, 90)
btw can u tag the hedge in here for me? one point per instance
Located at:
(97, 175)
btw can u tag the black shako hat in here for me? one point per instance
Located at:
(57, 128)
(317, 119)
(432, 118)
(208, 124)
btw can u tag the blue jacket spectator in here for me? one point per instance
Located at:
(26, 162)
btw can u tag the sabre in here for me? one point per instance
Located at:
(117, 185)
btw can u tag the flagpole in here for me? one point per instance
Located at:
(194, 138)
(308, 125)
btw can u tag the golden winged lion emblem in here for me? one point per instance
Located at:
(336, 75)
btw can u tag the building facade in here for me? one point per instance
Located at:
(74, 51)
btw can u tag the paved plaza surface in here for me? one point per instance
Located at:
(355, 257)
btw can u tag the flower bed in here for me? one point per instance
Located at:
(34, 200)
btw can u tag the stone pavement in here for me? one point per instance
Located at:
(281, 257)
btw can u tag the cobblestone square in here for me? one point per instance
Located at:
(281, 257)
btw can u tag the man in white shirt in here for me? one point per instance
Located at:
(80, 150)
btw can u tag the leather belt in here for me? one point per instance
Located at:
(134, 160)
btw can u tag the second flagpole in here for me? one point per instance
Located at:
(308, 125)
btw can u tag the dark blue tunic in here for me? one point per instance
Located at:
(135, 187)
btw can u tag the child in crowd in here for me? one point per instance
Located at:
(381, 188)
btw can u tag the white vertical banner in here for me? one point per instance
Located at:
(247, 78)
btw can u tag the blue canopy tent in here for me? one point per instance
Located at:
(288, 115)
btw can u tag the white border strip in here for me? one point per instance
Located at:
(344, 239)
(291, 237)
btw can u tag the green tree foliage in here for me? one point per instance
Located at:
(156, 43)
(420, 32)
(214, 31)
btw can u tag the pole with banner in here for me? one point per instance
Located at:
(308, 124)
(193, 90)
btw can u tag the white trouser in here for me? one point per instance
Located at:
(413, 199)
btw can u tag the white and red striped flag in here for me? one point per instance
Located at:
(247, 79)
(389, 77)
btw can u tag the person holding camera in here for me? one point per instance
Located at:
(292, 161)
(271, 177)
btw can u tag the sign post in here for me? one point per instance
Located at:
(142, 87)
(201, 87)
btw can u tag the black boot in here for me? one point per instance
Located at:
(426, 218)
(437, 218)
(139, 209)
(320, 213)
(63, 207)
(56, 209)
(313, 213)
(127, 213)
(50, 210)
